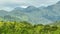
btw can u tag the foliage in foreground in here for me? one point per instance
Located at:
(27, 28)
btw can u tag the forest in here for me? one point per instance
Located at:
(24, 27)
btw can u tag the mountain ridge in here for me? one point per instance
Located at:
(43, 15)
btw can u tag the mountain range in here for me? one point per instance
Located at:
(32, 14)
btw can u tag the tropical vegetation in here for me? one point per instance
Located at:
(24, 27)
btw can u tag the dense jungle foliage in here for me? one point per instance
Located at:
(27, 28)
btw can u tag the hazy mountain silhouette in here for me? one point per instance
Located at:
(35, 15)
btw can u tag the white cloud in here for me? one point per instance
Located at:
(27, 2)
(24, 6)
(22, 3)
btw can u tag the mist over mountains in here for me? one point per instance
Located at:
(42, 15)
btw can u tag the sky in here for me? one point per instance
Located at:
(10, 4)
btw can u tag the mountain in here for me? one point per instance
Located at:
(56, 23)
(10, 18)
(3, 12)
(31, 14)
(30, 9)
(53, 12)
(42, 15)
(18, 9)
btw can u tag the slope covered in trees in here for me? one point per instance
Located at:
(27, 28)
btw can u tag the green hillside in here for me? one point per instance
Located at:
(27, 28)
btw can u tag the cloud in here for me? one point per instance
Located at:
(15, 3)
(27, 2)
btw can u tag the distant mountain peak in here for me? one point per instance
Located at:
(18, 8)
(58, 2)
(31, 7)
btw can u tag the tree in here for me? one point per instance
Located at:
(45, 30)
(53, 28)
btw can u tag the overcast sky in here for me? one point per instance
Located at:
(9, 4)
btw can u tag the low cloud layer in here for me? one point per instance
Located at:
(16, 3)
